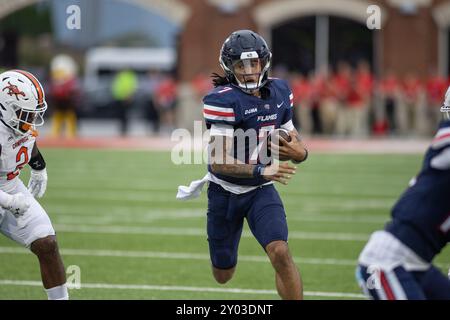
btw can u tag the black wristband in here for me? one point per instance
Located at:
(37, 162)
(258, 170)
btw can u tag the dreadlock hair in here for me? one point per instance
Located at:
(219, 80)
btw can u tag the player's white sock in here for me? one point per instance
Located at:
(58, 293)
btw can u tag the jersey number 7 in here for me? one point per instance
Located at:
(262, 137)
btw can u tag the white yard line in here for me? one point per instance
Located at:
(176, 256)
(146, 187)
(200, 232)
(187, 256)
(119, 212)
(70, 215)
(183, 288)
(105, 195)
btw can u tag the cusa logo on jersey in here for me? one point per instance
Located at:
(252, 110)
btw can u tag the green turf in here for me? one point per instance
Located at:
(119, 207)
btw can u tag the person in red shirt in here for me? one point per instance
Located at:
(357, 110)
(364, 82)
(359, 98)
(414, 100)
(301, 90)
(165, 99)
(341, 87)
(64, 94)
(317, 89)
(389, 90)
(333, 91)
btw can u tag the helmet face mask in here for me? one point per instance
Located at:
(247, 73)
(27, 120)
(245, 59)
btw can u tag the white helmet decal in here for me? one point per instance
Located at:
(13, 90)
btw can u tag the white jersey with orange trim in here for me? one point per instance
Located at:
(15, 153)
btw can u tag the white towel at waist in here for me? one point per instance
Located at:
(195, 188)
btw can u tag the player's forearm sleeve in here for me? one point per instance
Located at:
(37, 162)
(220, 129)
(289, 126)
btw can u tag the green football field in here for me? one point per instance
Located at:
(117, 219)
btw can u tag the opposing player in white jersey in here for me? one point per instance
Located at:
(22, 219)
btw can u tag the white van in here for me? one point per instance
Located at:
(103, 63)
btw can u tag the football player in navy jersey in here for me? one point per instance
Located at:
(396, 263)
(241, 186)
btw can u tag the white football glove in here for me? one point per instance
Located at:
(38, 182)
(17, 204)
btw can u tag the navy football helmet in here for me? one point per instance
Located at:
(245, 58)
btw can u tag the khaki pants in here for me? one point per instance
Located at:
(303, 114)
(67, 118)
(353, 121)
(329, 113)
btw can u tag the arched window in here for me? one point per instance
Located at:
(318, 33)
(308, 43)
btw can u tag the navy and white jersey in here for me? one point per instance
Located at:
(229, 105)
(421, 217)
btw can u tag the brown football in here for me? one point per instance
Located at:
(275, 137)
(283, 133)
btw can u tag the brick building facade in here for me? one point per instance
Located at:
(413, 34)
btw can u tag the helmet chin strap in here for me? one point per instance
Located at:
(250, 88)
(28, 127)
